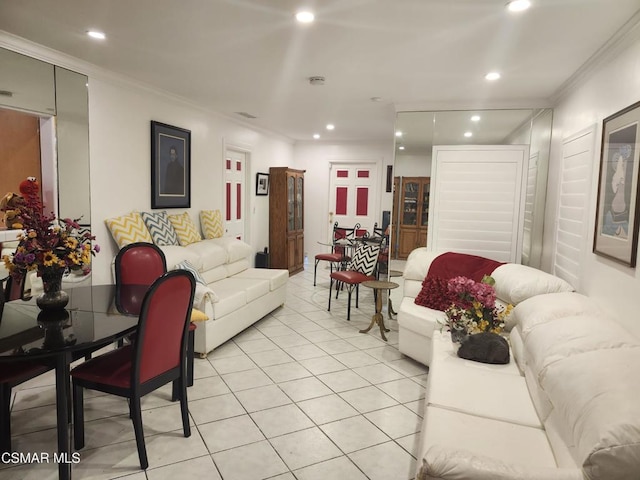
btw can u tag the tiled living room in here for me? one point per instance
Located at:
(299, 395)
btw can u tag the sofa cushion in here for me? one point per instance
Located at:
(418, 319)
(185, 228)
(230, 298)
(418, 264)
(174, 254)
(253, 287)
(211, 223)
(435, 294)
(515, 283)
(571, 336)
(277, 277)
(236, 249)
(160, 228)
(210, 254)
(596, 394)
(541, 309)
(129, 228)
(233, 268)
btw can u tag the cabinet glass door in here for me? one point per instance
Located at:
(425, 204)
(299, 202)
(410, 205)
(290, 203)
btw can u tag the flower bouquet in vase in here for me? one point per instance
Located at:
(473, 308)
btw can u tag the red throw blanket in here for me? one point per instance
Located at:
(450, 264)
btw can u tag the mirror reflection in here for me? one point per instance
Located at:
(416, 135)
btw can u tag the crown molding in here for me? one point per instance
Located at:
(519, 104)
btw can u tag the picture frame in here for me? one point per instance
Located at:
(618, 207)
(262, 184)
(170, 166)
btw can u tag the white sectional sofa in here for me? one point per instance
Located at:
(565, 408)
(236, 295)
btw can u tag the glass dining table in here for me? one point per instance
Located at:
(92, 320)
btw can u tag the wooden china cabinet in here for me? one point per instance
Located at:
(413, 214)
(286, 218)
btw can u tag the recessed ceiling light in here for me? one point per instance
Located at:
(398, 133)
(492, 76)
(316, 136)
(96, 34)
(330, 126)
(475, 118)
(305, 17)
(518, 5)
(468, 134)
(401, 147)
(376, 99)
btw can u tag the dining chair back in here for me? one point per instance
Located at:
(360, 269)
(341, 243)
(142, 263)
(156, 357)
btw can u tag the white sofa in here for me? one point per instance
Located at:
(566, 409)
(237, 295)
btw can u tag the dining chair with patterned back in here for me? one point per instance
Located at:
(156, 357)
(142, 263)
(342, 240)
(360, 269)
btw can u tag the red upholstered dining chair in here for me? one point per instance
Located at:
(142, 263)
(360, 269)
(155, 358)
(342, 241)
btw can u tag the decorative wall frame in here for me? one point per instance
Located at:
(170, 166)
(262, 184)
(618, 208)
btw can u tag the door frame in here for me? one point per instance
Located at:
(246, 209)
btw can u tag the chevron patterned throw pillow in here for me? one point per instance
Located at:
(128, 229)
(160, 228)
(185, 228)
(365, 258)
(211, 223)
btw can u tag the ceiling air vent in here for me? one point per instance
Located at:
(246, 115)
(6, 93)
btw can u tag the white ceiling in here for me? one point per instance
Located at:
(252, 56)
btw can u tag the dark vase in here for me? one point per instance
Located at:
(53, 298)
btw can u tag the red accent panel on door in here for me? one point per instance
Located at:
(341, 201)
(228, 201)
(228, 164)
(238, 201)
(362, 201)
(363, 173)
(238, 166)
(342, 173)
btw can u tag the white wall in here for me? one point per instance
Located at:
(412, 165)
(314, 158)
(119, 135)
(611, 87)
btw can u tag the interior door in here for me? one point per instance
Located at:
(234, 175)
(353, 195)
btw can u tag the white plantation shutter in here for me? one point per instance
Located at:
(575, 178)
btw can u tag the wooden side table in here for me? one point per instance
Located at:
(390, 310)
(379, 287)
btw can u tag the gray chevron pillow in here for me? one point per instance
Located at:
(365, 258)
(160, 228)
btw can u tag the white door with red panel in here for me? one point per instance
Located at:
(352, 195)
(235, 163)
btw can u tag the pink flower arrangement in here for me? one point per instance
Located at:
(474, 307)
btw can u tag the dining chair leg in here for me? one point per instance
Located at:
(315, 270)
(78, 416)
(357, 294)
(184, 409)
(190, 354)
(136, 413)
(330, 287)
(349, 304)
(5, 418)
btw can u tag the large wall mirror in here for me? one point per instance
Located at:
(416, 135)
(44, 128)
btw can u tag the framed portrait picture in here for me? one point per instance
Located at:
(616, 232)
(262, 184)
(170, 166)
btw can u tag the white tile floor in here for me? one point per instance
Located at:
(299, 395)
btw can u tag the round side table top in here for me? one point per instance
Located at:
(380, 284)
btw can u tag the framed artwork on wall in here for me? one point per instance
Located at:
(616, 231)
(170, 166)
(262, 184)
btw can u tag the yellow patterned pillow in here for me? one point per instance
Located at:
(185, 228)
(128, 229)
(211, 223)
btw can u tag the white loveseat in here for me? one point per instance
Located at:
(236, 295)
(566, 406)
